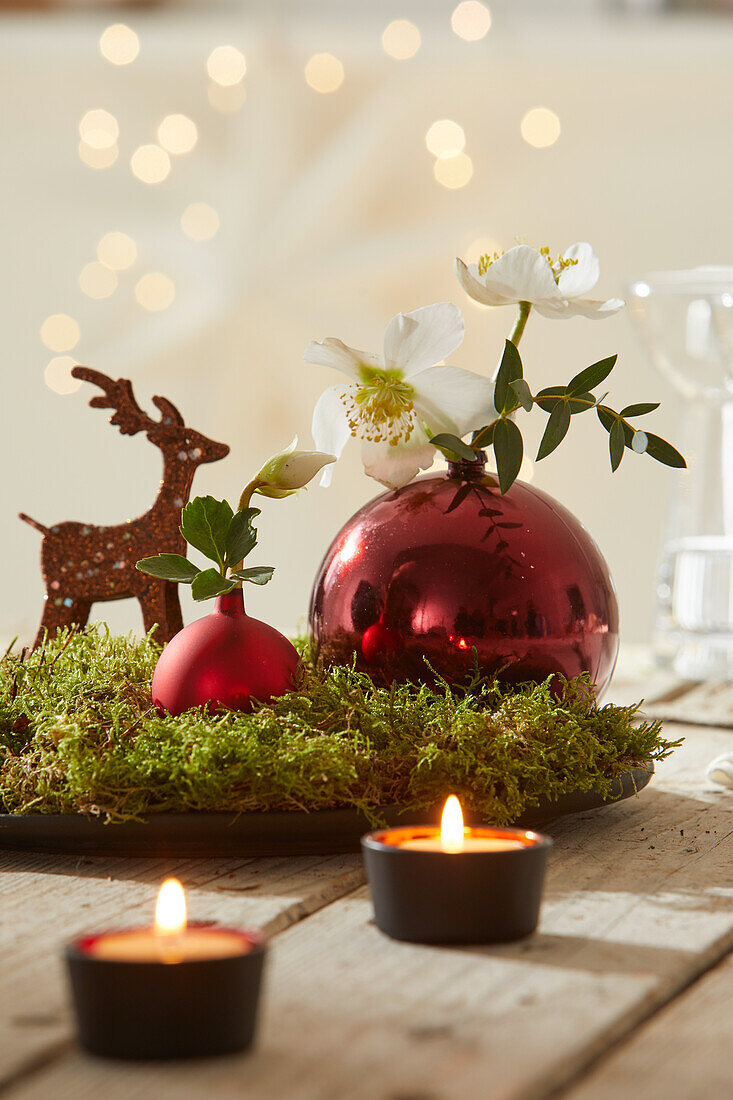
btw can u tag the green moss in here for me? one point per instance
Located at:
(78, 735)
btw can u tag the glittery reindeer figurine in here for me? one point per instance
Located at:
(83, 564)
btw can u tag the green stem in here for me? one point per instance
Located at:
(247, 493)
(525, 308)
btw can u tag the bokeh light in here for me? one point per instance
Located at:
(119, 44)
(98, 158)
(178, 134)
(324, 73)
(401, 39)
(540, 127)
(199, 221)
(117, 251)
(480, 246)
(226, 100)
(155, 291)
(150, 164)
(57, 374)
(59, 332)
(99, 129)
(97, 281)
(445, 138)
(226, 65)
(471, 20)
(453, 172)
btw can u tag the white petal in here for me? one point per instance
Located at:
(580, 307)
(334, 353)
(395, 466)
(581, 277)
(461, 396)
(522, 275)
(420, 339)
(471, 282)
(330, 426)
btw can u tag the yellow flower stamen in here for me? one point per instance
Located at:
(380, 407)
(487, 260)
(556, 266)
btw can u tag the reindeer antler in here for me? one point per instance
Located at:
(118, 395)
(168, 411)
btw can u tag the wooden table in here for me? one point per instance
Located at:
(626, 989)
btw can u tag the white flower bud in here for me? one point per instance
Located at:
(290, 470)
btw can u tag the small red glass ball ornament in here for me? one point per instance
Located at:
(447, 566)
(224, 660)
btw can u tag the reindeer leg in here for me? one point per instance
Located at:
(173, 608)
(160, 606)
(61, 614)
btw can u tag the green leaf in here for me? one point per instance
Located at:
(169, 567)
(523, 392)
(547, 400)
(204, 524)
(606, 416)
(241, 536)
(258, 574)
(591, 376)
(556, 430)
(640, 409)
(208, 583)
(445, 442)
(485, 436)
(510, 369)
(616, 444)
(508, 449)
(664, 452)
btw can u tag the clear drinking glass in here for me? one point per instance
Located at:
(685, 321)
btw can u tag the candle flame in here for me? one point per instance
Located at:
(170, 909)
(451, 826)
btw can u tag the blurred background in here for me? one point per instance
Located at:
(191, 193)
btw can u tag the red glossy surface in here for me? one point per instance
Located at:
(445, 565)
(226, 659)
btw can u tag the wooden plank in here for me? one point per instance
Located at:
(638, 903)
(709, 704)
(46, 900)
(684, 1053)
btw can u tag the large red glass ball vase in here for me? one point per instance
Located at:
(426, 577)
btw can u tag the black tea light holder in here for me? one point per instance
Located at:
(463, 897)
(156, 1009)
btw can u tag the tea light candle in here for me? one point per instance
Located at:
(170, 991)
(455, 884)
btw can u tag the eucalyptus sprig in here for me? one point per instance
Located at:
(226, 537)
(561, 403)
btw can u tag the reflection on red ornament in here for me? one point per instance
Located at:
(224, 660)
(447, 567)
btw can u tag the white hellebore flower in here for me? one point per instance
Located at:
(290, 470)
(553, 288)
(391, 402)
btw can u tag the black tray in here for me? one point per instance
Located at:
(323, 832)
